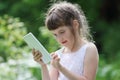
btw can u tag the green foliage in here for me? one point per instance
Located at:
(36, 72)
(22, 69)
(110, 41)
(108, 72)
(11, 37)
(15, 58)
(31, 12)
(14, 52)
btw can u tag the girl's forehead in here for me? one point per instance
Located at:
(59, 29)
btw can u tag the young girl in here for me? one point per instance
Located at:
(78, 58)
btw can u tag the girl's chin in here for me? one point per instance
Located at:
(65, 45)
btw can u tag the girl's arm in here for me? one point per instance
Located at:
(38, 58)
(91, 62)
(45, 72)
(53, 73)
(90, 66)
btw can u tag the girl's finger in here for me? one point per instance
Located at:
(54, 56)
(58, 59)
(37, 53)
(37, 58)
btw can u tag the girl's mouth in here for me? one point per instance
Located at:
(64, 42)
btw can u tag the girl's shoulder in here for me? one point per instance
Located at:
(92, 51)
(91, 46)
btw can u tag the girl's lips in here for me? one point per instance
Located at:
(64, 42)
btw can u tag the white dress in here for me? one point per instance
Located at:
(73, 61)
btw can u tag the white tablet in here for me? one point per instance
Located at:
(32, 42)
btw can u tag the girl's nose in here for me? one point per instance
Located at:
(59, 38)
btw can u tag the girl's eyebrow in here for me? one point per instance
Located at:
(57, 31)
(61, 30)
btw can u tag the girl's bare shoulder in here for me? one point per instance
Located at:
(92, 51)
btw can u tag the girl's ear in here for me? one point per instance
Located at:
(75, 24)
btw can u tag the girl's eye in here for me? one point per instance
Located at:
(62, 32)
(55, 35)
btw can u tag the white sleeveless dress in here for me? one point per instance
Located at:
(73, 61)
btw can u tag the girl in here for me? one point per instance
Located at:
(78, 58)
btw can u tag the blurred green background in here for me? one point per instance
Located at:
(18, 17)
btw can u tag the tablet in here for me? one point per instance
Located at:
(32, 42)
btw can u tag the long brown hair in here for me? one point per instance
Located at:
(63, 14)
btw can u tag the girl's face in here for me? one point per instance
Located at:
(64, 36)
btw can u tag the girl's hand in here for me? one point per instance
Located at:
(38, 57)
(55, 61)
